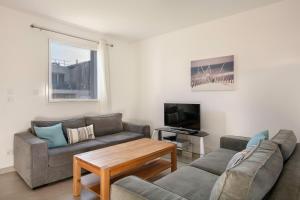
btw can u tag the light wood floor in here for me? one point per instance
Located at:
(12, 187)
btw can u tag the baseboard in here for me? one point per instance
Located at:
(7, 169)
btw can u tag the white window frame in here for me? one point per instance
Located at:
(50, 86)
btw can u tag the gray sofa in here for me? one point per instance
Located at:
(38, 165)
(272, 171)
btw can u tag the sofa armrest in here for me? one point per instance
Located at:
(236, 143)
(134, 188)
(144, 129)
(31, 158)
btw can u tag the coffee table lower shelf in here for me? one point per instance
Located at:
(92, 182)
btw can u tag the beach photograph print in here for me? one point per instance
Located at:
(213, 74)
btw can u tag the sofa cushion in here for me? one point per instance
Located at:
(118, 138)
(253, 178)
(134, 188)
(214, 162)
(42, 124)
(286, 141)
(73, 123)
(69, 123)
(232, 142)
(106, 124)
(288, 184)
(189, 182)
(64, 155)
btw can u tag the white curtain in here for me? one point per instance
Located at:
(103, 77)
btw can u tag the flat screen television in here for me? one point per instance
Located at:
(182, 116)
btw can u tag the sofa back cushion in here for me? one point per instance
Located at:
(42, 124)
(73, 123)
(69, 123)
(106, 124)
(286, 141)
(288, 185)
(253, 178)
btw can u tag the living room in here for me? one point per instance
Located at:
(235, 63)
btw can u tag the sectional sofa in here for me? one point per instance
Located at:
(38, 165)
(272, 171)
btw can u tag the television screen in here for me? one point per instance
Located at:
(185, 116)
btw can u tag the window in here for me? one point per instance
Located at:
(72, 72)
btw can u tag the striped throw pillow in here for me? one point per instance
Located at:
(80, 134)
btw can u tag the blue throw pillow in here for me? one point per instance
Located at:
(264, 135)
(52, 134)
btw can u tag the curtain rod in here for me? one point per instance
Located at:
(66, 34)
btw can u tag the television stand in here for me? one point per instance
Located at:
(200, 134)
(191, 132)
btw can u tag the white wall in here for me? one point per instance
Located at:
(24, 76)
(266, 45)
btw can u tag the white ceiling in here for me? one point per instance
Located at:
(135, 19)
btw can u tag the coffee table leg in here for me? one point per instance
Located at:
(76, 178)
(173, 159)
(105, 184)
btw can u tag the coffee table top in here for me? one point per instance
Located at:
(121, 154)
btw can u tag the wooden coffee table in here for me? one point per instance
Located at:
(139, 157)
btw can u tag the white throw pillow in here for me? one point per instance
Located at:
(240, 156)
(80, 134)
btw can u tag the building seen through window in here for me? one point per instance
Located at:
(73, 72)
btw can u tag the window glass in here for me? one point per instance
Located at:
(73, 72)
